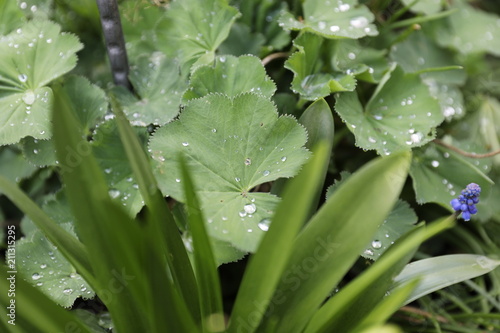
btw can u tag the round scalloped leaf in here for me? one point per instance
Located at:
(231, 146)
(30, 58)
(333, 19)
(306, 63)
(401, 220)
(159, 85)
(111, 156)
(46, 268)
(43, 265)
(400, 115)
(439, 175)
(194, 29)
(481, 33)
(417, 52)
(231, 76)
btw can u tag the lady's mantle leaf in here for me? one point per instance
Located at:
(225, 77)
(426, 7)
(30, 58)
(306, 64)
(193, 29)
(232, 146)
(159, 85)
(333, 19)
(45, 267)
(400, 115)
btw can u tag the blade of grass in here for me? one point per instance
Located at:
(355, 301)
(166, 232)
(330, 243)
(123, 255)
(69, 246)
(206, 267)
(32, 310)
(266, 266)
(439, 272)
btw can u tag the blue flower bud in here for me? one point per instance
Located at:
(467, 200)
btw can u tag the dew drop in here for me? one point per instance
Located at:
(242, 213)
(351, 55)
(376, 244)
(248, 161)
(344, 7)
(23, 77)
(42, 266)
(214, 130)
(36, 276)
(177, 180)
(368, 252)
(67, 291)
(49, 40)
(29, 97)
(185, 144)
(114, 193)
(372, 140)
(435, 163)
(359, 22)
(321, 25)
(283, 159)
(334, 28)
(250, 208)
(108, 170)
(264, 224)
(265, 173)
(237, 179)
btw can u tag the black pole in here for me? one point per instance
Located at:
(115, 43)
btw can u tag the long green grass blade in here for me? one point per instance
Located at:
(160, 218)
(356, 301)
(69, 246)
(443, 271)
(328, 246)
(206, 267)
(266, 266)
(32, 310)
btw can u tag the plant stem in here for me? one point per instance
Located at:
(464, 153)
(115, 42)
(273, 56)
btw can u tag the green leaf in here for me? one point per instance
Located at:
(225, 77)
(49, 270)
(401, 220)
(13, 165)
(112, 159)
(10, 16)
(400, 115)
(443, 271)
(30, 58)
(90, 104)
(232, 146)
(333, 19)
(439, 175)
(269, 262)
(426, 7)
(306, 64)
(480, 34)
(193, 29)
(34, 312)
(419, 53)
(329, 244)
(158, 86)
(241, 41)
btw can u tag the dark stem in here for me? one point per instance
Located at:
(115, 43)
(273, 56)
(464, 153)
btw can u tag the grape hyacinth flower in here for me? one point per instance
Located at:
(466, 202)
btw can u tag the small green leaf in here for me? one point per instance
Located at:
(306, 64)
(439, 175)
(193, 29)
(30, 58)
(90, 104)
(333, 19)
(233, 145)
(225, 77)
(440, 272)
(158, 85)
(426, 7)
(480, 34)
(400, 115)
(242, 40)
(13, 164)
